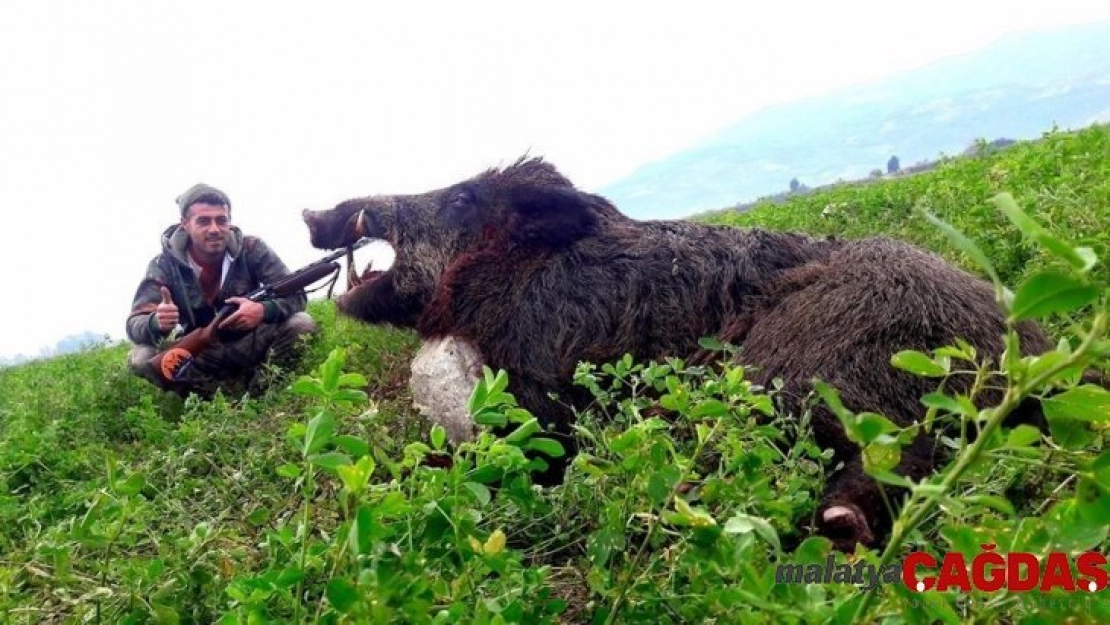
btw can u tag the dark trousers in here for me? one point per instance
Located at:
(231, 364)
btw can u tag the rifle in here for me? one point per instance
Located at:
(172, 363)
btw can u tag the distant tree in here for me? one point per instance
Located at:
(893, 165)
(794, 185)
(876, 173)
(977, 147)
(18, 359)
(981, 146)
(74, 343)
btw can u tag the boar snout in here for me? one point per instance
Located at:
(343, 226)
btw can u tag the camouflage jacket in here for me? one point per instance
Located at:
(253, 264)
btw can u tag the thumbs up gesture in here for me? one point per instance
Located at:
(166, 312)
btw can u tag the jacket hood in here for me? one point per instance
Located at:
(175, 240)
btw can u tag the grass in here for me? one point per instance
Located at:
(330, 500)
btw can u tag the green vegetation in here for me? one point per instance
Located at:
(1061, 180)
(328, 500)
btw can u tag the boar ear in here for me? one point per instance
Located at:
(550, 216)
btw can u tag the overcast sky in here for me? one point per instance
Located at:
(111, 109)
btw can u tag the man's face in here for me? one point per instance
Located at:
(207, 225)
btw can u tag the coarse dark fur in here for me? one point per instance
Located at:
(540, 276)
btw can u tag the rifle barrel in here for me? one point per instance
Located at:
(310, 273)
(302, 278)
(337, 254)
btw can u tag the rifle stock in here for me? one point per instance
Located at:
(172, 363)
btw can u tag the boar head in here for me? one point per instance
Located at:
(528, 203)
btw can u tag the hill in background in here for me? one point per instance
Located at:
(1017, 88)
(65, 345)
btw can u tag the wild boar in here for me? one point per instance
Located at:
(536, 276)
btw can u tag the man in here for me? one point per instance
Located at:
(205, 263)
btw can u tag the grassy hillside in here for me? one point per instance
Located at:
(327, 500)
(119, 499)
(1062, 180)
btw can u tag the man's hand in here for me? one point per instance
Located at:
(166, 313)
(247, 317)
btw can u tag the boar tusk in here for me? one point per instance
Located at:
(353, 279)
(360, 225)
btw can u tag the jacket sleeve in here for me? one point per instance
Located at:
(268, 267)
(141, 326)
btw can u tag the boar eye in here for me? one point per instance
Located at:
(462, 198)
(460, 206)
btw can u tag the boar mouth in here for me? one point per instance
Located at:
(357, 229)
(370, 274)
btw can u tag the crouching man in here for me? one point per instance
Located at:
(206, 262)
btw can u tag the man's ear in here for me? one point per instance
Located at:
(550, 216)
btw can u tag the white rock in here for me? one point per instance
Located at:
(444, 373)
